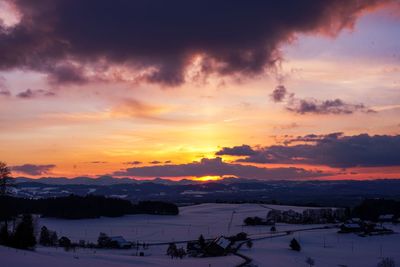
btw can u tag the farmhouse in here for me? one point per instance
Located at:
(218, 247)
(120, 242)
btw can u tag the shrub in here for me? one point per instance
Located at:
(386, 262)
(64, 242)
(294, 245)
(24, 237)
(310, 261)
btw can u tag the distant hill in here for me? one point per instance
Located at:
(332, 193)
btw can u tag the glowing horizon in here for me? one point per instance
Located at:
(167, 105)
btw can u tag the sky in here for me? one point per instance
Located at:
(202, 90)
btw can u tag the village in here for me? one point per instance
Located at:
(224, 245)
(307, 216)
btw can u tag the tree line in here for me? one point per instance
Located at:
(371, 209)
(80, 207)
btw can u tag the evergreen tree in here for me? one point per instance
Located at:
(249, 244)
(172, 250)
(5, 178)
(4, 235)
(310, 261)
(64, 242)
(202, 241)
(44, 238)
(386, 262)
(24, 237)
(53, 238)
(103, 241)
(294, 245)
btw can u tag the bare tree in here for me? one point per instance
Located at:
(386, 262)
(310, 261)
(5, 178)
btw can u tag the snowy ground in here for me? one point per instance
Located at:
(325, 246)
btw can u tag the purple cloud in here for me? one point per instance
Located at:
(135, 162)
(32, 169)
(29, 93)
(335, 106)
(279, 93)
(216, 167)
(243, 150)
(334, 150)
(314, 106)
(62, 37)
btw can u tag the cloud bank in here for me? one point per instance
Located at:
(32, 169)
(217, 167)
(334, 150)
(314, 106)
(77, 41)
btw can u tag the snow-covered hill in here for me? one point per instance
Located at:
(325, 246)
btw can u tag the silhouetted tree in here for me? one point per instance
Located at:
(44, 238)
(254, 221)
(386, 262)
(24, 237)
(181, 253)
(172, 250)
(249, 244)
(310, 261)
(103, 241)
(79, 207)
(65, 242)
(242, 236)
(202, 241)
(53, 238)
(294, 245)
(5, 178)
(5, 183)
(4, 235)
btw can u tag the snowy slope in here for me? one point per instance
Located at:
(325, 246)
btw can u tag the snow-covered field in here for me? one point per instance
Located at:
(325, 246)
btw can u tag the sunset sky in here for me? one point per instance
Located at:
(200, 89)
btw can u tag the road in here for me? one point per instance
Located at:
(254, 237)
(268, 235)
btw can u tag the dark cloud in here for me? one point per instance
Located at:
(67, 74)
(334, 150)
(32, 169)
(29, 93)
(159, 38)
(336, 106)
(135, 162)
(155, 162)
(4, 92)
(216, 167)
(313, 138)
(98, 162)
(243, 150)
(314, 106)
(279, 93)
(167, 162)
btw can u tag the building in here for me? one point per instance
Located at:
(120, 241)
(351, 228)
(218, 247)
(386, 218)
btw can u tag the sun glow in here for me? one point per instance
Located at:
(207, 178)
